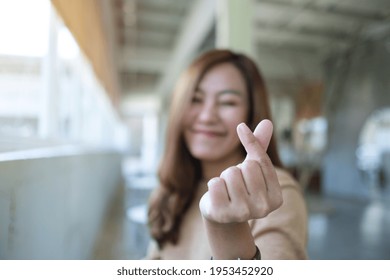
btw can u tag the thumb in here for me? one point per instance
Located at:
(263, 133)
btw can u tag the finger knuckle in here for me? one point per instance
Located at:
(251, 164)
(225, 217)
(242, 213)
(267, 206)
(265, 161)
(231, 171)
(215, 215)
(262, 209)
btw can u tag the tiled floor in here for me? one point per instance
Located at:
(121, 237)
(345, 229)
(338, 229)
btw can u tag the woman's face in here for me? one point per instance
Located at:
(218, 105)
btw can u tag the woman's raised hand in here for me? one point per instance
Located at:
(248, 191)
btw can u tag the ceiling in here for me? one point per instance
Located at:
(156, 37)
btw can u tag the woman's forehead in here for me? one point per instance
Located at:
(223, 75)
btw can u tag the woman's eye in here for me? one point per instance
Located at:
(228, 103)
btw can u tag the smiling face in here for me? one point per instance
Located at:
(219, 104)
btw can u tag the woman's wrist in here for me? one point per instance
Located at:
(230, 241)
(257, 255)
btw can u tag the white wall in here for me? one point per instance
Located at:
(53, 207)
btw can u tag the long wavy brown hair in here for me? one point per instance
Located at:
(179, 171)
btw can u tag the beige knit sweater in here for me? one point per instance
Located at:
(280, 235)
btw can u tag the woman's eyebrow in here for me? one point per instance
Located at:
(230, 91)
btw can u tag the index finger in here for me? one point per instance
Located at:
(251, 144)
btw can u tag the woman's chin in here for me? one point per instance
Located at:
(206, 155)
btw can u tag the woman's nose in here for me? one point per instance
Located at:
(208, 112)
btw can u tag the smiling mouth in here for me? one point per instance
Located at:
(208, 133)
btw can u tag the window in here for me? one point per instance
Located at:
(49, 93)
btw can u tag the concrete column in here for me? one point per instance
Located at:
(48, 118)
(361, 90)
(234, 25)
(149, 143)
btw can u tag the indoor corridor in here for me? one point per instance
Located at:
(85, 102)
(339, 229)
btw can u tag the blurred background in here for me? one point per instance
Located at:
(84, 96)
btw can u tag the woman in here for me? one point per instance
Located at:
(222, 191)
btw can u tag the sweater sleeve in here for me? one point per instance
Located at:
(283, 233)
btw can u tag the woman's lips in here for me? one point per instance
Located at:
(208, 133)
